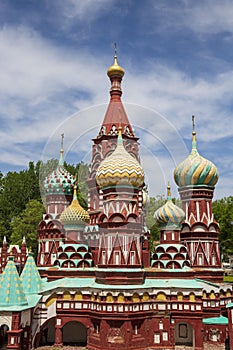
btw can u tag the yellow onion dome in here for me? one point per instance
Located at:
(195, 170)
(169, 214)
(120, 168)
(74, 213)
(115, 69)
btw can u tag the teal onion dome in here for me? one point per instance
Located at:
(120, 168)
(195, 170)
(169, 214)
(60, 181)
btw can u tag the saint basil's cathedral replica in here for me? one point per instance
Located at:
(96, 283)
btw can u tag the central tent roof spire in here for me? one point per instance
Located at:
(115, 114)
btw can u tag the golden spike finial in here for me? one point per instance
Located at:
(61, 160)
(115, 54)
(193, 122)
(168, 190)
(62, 140)
(115, 69)
(193, 133)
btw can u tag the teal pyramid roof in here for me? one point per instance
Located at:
(215, 320)
(11, 289)
(30, 277)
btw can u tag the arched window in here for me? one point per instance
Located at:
(109, 298)
(179, 296)
(161, 296)
(192, 297)
(120, 298)
(66, 295)
(78, 296)
(145, 296)
(135, 298)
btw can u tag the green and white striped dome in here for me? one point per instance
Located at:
(195, 170)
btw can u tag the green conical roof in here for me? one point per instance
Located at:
(30, 277)
(11, 289)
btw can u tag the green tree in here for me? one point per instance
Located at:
(80, 170)
(154, 204)
(223, 212)
(26, 224)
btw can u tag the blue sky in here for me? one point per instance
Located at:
(178, 61)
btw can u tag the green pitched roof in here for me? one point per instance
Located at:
(11, 289)
(30, 277)
(215, 320)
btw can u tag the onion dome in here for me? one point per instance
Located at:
(195, 169)
(115, 69)
(60, 181)
(120, 168)
(169, 214)
(74, 213)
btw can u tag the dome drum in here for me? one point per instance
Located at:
(199, 191)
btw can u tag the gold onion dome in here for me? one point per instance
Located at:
(74, 213)
(195, 169)
(115, 69)
(169, 214)
(120, 168)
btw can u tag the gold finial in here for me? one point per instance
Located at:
(62, 140)
(193, 133)
(120, 131)
(193, 122)
(61, 160)
(115, 69)
(115, 55)
(168, 190)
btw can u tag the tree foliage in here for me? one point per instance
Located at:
(21, 205)
(26, 224)
(21, 199)
(154, 204)
(223, 212)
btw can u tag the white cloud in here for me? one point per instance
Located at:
(85, 10)
(41, 85)
(200, 17)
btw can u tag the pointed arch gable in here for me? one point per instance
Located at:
(200, 249)
(103, 248)
(117, 247)
(133, 248)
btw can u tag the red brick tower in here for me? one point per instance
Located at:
(196, 178)
(116, 183)
(58, 188)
